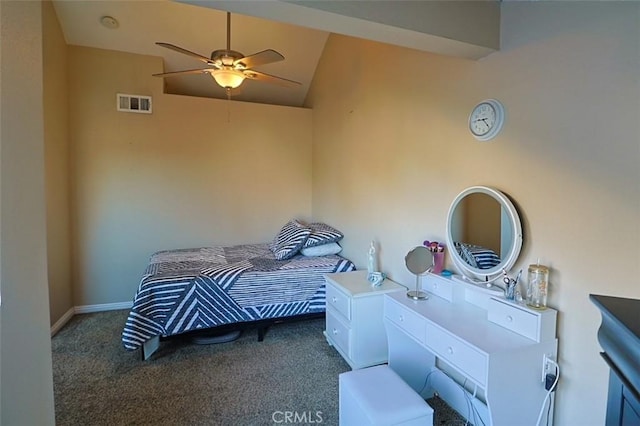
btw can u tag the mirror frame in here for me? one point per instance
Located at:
(510, 258)
(412, 255)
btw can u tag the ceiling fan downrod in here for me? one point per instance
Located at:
(228, 30)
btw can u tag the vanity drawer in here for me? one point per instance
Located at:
(339, 301)
(513, 318)
(338, 332)
(407, 320)
(458, 353)
(438, 286)
(530, 323)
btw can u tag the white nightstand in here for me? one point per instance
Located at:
(355, 317)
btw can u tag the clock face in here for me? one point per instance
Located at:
(486, 119)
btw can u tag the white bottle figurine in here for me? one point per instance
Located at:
(372, 263)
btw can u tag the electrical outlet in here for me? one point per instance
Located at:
(547, 366)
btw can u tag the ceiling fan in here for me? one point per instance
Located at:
(229, 68)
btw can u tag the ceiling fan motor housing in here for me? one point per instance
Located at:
(227, 58)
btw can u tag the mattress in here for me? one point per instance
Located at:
(191, 289)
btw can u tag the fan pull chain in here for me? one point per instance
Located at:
(228, 105)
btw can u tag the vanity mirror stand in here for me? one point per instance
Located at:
(419, 262)
(482, 354)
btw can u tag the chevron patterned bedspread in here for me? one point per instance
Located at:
(191, 289)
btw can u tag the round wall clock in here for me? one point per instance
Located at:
(486, 119)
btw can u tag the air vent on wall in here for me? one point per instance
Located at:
(134, 103)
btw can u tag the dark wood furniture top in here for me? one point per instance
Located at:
(619, 336)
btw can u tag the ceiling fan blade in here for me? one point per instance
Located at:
(185, 52)
(260, 76)
(174, 73)
(261, 58)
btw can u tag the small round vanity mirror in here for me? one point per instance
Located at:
(419, 260)
(484, 233)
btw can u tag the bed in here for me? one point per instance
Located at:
(232, 287)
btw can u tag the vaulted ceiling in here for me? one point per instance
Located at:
(296, 29)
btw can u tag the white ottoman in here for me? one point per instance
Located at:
(378, 396)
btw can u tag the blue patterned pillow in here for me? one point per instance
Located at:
(477, 256)
(321, 234)
(290, 240)
(465, 253)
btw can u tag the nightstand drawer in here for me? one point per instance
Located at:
(339, 301)
(338, 332)
(458, 353)
(406, 319)
(354, 318)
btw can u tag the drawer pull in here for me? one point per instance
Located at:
(334, 300)
(435, 286)
(450, 350)
(509, 318)
(401, 318)
(335, 331)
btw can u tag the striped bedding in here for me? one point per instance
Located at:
(477, 256)
(191, 289)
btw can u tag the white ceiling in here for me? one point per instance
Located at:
(201, 28)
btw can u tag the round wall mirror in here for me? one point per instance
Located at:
(484, 233)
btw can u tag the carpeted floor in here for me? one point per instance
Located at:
(244, 382)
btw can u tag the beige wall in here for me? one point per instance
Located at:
(196, 172)
(56, 150)
(392, 150)
(25, 345)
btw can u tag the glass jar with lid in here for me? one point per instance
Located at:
(537, 286)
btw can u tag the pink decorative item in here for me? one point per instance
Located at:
(437, 250)
(438, 262)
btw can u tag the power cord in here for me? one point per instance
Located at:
(551, 403)
(550, 390)
(472, 411)
(475, 410)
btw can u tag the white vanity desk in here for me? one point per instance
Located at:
(492, 347)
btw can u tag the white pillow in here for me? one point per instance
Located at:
(322, 250)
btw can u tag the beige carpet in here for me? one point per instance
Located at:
(244, 382)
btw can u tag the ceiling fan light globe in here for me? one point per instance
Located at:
(228, 78)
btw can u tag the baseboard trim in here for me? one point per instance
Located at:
(87, 309)
(62, 321)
